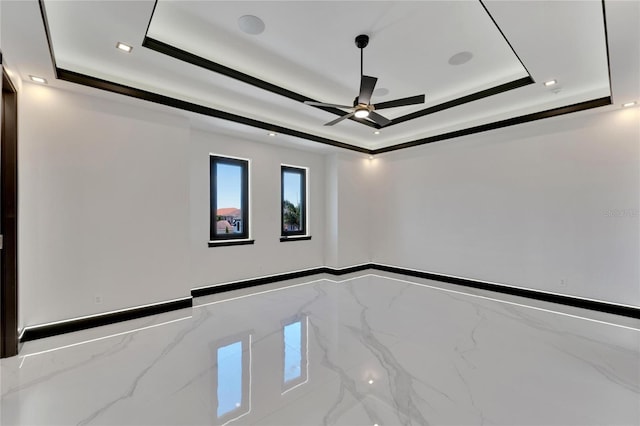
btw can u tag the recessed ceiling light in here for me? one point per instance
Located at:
(272, 134)
(124, 47)
(629, 104)
(251, 24)
(38, 79)
(377, 132)
(460, 58)
(550, 82)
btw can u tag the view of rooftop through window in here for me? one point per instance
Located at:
(229, 186)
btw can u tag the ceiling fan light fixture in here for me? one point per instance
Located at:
(362, 113)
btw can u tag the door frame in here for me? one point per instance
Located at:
(9, 338)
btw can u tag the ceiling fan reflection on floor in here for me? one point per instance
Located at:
(362, 107)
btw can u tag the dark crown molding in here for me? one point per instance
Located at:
(595, 103)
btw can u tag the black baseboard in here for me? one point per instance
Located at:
(577, 302)
(38, 332)
(237, 285)
(504, 289)
(347, 270)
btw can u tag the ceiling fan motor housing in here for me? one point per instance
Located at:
(362, 41)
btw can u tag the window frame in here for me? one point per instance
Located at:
(303, 232)
(229, 239)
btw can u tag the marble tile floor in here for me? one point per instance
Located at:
(370, 349)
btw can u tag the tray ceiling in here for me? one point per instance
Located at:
(307, 51)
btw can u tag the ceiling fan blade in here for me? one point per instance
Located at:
(367, 84)
(314, 103)
(412, 100)
(382, 121)
(339, 119)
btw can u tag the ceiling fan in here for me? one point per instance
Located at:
(362, 107)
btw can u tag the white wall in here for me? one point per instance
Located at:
(114, 202)
(525, 206)
(268, 256)
(103, 205)
(348, 201)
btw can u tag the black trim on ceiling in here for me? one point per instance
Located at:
(69, 326)
(153, 12)
(110, 86)
(98, 83)
(188, 57)
(594, 103)
(47, 33)
(524, 81)
(606, 46)
(504, 37)
(191, 58)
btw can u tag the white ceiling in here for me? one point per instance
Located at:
(308, 48)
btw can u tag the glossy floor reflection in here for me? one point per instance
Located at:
(368, 350)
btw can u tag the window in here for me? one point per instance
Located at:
(294, 201)
(229, 201)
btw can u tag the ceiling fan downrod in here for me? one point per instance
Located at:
(361, 42)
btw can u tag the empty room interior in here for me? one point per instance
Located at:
(320, 212)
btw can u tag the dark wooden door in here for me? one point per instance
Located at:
(9, 220)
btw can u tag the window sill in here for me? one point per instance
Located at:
(223, 243)
(295, 238)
